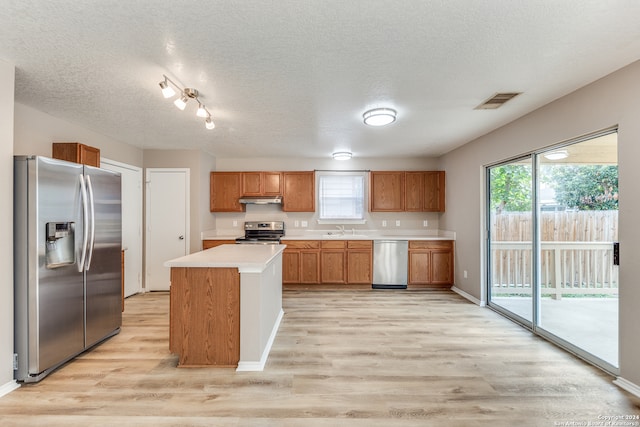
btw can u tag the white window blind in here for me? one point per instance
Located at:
(341, 196)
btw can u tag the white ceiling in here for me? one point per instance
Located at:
(291, 78)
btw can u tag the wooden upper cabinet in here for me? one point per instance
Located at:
(414, 191)
(261, 183)
(421, 191)
(387, 192)
(251, 183)
(434, 191)
(226, 190)
(77, 153)
(298, 193)
(272, 183)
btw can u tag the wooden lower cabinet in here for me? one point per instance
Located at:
(208, 244)
(301, 262)
(334, 262)
(360, 267)
(359, 262)
(431, 263)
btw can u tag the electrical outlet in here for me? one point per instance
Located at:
(425, 223)
(305, 224)
(397, 223)
(235, 223)
(384, 222)
(464, 273)
(296, 223)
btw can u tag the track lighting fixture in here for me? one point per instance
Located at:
(185, 95)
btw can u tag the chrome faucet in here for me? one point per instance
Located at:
(341, 228)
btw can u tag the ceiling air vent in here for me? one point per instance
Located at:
(497, 100)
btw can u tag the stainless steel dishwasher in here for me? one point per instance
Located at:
(390, 264)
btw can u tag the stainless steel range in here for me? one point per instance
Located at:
(262, 232)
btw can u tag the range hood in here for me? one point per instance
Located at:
(261, 200)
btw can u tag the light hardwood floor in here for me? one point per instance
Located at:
(341, 358)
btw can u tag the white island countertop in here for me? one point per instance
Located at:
(299, 234)
(246, 258)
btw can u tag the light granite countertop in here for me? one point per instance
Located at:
(246, 258)
(348, 235)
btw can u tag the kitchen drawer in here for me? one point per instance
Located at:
(302, 244)
(431, 244)
(360, 244)
(334, 244)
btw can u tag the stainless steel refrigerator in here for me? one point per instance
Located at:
(67, 262)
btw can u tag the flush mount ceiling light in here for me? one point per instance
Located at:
(556, 155)
(185, 95)
(341, 155)
(379, 116)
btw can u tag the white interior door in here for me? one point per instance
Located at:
(131, 223)
(167, 223)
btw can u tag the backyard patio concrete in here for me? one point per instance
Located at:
(588, 323)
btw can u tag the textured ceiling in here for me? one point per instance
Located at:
(291, 78)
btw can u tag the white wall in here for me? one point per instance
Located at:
(35, 131)
(7, 78)
(613, 100)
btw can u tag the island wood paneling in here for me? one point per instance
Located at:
(205, 316)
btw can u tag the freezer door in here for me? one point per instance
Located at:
(49, 313)
(103, 288)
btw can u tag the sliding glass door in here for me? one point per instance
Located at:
(510, 244)
(578, 228)
(552, 224)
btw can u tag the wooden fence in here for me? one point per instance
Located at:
(566, 226)
(582, 264)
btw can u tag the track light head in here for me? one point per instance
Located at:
(202, 112)
(181, 102)
(208, 123)
(167, 91)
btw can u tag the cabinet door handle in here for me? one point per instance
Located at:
(181, 237)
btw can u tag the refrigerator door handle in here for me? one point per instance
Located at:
(85, 223)
(92, 215)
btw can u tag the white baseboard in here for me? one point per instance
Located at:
(259, 366)
(468, 296)
(628, 386)
(9, 387)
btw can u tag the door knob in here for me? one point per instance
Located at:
(181, 237)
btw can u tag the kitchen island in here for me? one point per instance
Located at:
(226, 306)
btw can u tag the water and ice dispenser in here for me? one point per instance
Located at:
(60, 244)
